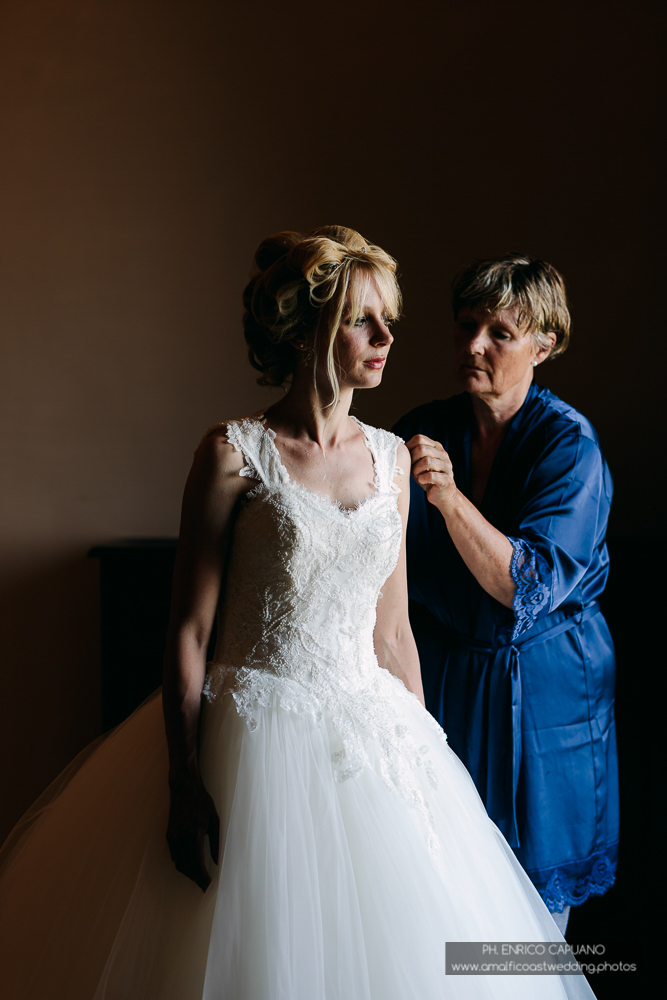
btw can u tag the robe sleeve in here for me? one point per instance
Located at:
(560, 525)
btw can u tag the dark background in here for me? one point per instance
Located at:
(148, 147)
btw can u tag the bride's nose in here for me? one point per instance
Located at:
(382, 335)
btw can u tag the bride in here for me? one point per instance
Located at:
(338, 841)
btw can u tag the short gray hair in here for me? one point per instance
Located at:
(517, 280)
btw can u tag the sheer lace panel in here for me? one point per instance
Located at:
(529, 573)
(565, 889)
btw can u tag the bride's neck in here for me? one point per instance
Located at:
(303, 412)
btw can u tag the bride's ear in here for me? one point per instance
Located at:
(304, 345)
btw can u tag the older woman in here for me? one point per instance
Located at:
(506, 561)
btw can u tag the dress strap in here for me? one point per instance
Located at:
(383, 445)
(254, 441)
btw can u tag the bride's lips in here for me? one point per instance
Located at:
(375, 362)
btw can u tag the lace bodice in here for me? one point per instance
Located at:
(299, 608)
(305, 574)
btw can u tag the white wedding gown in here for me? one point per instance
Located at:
(354, 844)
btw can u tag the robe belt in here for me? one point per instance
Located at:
(504, 727)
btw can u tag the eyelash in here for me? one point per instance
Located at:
(470, 328)
(362, 320)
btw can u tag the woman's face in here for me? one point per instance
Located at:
(362, 345)
(492, 354)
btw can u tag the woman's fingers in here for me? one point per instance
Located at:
(192, 819)
(422, 441)
(427, 447)
(432, 478)
(432, 469)
(432, 463)
(189, 860)
(427, 454)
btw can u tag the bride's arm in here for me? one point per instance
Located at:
(211, 494)
(394, 643)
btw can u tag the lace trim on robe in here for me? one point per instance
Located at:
(564, 889)
(531, 593)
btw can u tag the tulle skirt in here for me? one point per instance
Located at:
(326, 889)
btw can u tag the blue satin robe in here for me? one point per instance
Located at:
(526, 695)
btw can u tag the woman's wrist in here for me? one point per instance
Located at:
(486, 551)
(183, 770)
(447, 501)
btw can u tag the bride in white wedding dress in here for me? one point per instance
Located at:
(338, 840)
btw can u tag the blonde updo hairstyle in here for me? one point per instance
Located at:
(297, 295)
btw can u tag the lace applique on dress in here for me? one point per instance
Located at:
(531, 593)
(296, 625)
(383, 445)
(398, 471)
(255, 442)
(234, 439)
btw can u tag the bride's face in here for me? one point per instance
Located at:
(362, 343)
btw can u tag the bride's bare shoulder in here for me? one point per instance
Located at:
(219, 450)
(219, 431)
(216, 434)
(216, 451)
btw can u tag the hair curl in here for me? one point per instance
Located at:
(298, 290)
(517, 280)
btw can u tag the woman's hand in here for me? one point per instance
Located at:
(486, 551)
(192, 817)
(432, 469)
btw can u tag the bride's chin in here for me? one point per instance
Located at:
(367, 381)
(372, 378)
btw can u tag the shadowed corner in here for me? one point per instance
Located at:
(621, 918)
(50, 627)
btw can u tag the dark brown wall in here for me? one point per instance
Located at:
(148, 147)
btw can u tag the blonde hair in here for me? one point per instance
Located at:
(516, 280)
(299, 290)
